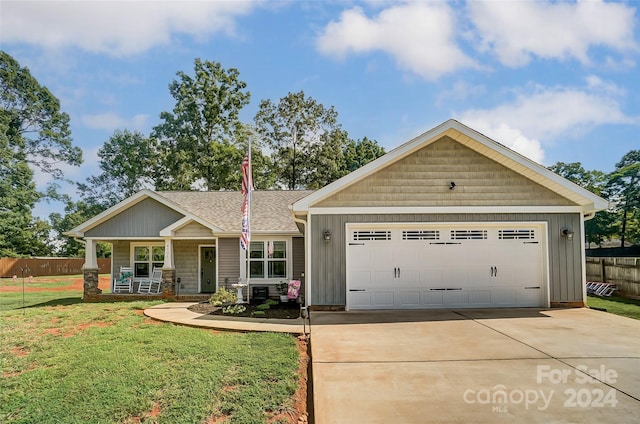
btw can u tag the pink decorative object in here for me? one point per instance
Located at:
(294, 288)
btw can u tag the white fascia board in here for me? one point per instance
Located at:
(363, 210)
(127, 203)
(371, 167)
(176, 226)
(111, 212)
(589, 201)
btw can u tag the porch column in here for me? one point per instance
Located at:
(90, 258)
(168, 270)
(168, 254)
(90, 271)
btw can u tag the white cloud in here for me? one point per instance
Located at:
(546, 115)
(420, 36)
(112, 121)
(118, 28)
(518, 30)
(461, 90)
(511, 137)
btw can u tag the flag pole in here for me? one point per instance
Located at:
(249, 189)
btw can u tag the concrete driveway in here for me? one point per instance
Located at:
(475, 366)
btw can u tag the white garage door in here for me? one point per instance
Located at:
(445, 266)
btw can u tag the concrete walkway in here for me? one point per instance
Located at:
(178, 313)
(475, 366)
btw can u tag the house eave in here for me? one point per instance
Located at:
(588, 201)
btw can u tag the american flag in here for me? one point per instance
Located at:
(247, 187)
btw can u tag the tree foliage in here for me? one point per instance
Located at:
(293, 128)
(32, 122)
(126, 162)
(34, 133)
(75, 213)
(623, 189)
(196, 144)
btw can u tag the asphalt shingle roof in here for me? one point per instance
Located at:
(269, 209)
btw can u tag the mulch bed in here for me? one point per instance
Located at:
(289, 310)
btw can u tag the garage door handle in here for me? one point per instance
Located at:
(356, 290)
(495, 271)
(532, 288)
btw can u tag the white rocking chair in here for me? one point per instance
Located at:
(152, 284)
(124, 281)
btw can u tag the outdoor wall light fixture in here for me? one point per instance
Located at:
(568, 233)
(326, 235)
(452, 185)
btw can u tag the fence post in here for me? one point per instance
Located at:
(602, 272)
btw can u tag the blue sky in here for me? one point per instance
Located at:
(555, 81)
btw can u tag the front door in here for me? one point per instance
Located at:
(207, 269)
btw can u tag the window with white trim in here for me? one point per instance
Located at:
(146, 258)
(268, 259)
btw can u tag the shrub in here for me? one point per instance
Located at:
(223, 296)
(233, 309)
(271, 302)
(258, 313)
(263, 307)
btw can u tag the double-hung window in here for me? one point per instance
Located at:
(268, 259)
(146, 258)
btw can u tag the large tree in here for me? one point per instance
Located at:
(293, 128)
(337, 155)
(75, 213)
(197, 144)
(624, 189)
(358, 153)
(126, 162)
(34, 134)
(603, 225)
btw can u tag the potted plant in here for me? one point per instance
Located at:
(283, 289)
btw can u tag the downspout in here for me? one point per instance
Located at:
(307, 262)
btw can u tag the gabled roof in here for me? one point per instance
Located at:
(491, 149)
(219, 211)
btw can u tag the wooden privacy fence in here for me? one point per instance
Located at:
(623, 272)
(48, 266)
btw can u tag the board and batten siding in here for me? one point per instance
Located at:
(144, 219)
(328, 262)
(423, 179)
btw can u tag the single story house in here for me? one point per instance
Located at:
(450, 219)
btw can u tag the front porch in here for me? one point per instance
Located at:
(194, 268)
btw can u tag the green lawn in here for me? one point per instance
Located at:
(616, 305)
(63, 361)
